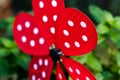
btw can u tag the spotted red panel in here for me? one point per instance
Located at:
(75, 33)
(28, 36)
(40, 68)
(76, 70)
(59, 73)
(46, 13)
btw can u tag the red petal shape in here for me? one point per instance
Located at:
(76, 70)
(46, 13)
(28, 35)
(59, 73)
(76, 34)
(40, 68)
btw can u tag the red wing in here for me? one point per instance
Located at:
(28, 36)
(59, 73)
(76, 70)
(40, 68)
(76, 34)
(46, 13)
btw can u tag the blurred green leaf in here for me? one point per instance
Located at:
(94, 63)
(115, 37)
(117, 22)
(102, 29)
(100, 39)
(23, 61)
(99, 76)
(7, 42)
(109, 17)
(97, 13)
(118, 58)
(3, 52)
(81, 59)
(15, 51)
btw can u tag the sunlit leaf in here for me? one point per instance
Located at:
(117, 22)
(102, 29)
(7, 42)
(94, 63)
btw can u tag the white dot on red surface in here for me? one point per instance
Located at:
(77, 79)
(66, 33)
(35, 66)
(77, 71)
(33, 77)
(84, 37)
(77, 44)
(67, 45)
(54, 3)
(27, 24)
(83, 24)
(70, 23)
(19, 27)
(38, 79)
(60, 76)
(41, 41)
(52, 30)
(40, 62)
(45, 18)
(41, 4)
(24, 39)
(43, 74)
(87, 78)
(35, 31)
(55, 17)
(70, 69)
(32, 43)
(46, 62)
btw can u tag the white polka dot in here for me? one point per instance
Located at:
(67, 45)
(70, 23)
(77, 79)
(55, 17)
(32, 43)
(45, 18)
(83, 24)
(60, 76)
(24, 39)
(43, 74)
(19, 27)
(70, 69)
(84, 37)
(41, 41)
(27, 24)
(87, 78)
(77, 44)
(38, 79)
(66, 33)
(33, 77)
(40, 62)
(35, 66)
(52, 30)
(77, 71)
(41, 4)
(35, 30)
(54, 3)
(46, 62)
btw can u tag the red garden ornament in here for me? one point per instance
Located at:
(53, 34)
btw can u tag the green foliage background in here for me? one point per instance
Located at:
(104, 61)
